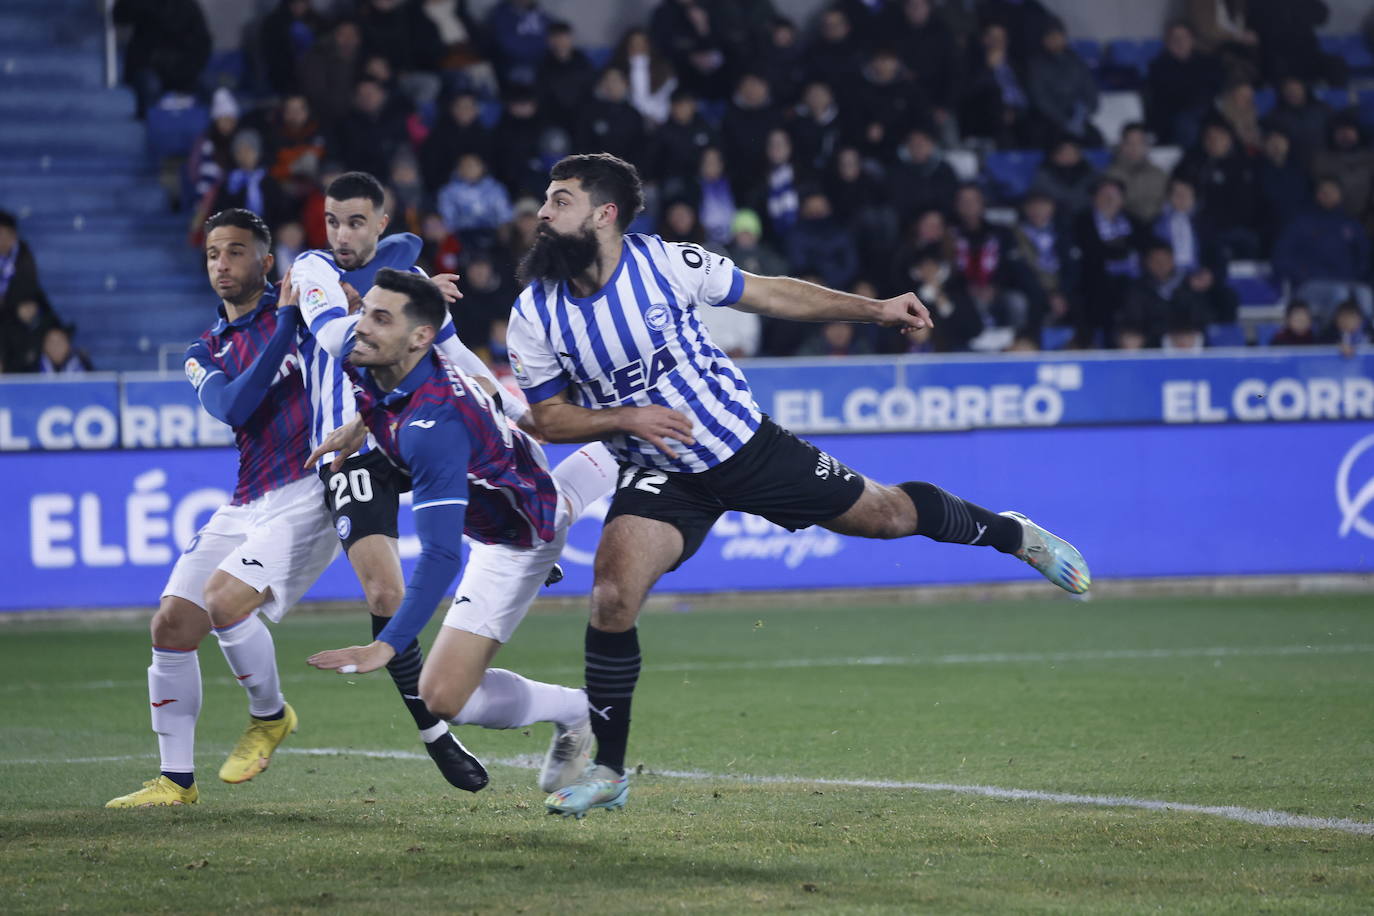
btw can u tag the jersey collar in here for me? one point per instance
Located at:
(566, 291)
(413, 380)
(268, 301)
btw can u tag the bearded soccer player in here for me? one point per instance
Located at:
(258, 554)
(607, 344)
(472, 474)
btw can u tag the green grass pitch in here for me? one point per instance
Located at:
(1248, 705)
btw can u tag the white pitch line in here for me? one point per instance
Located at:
(907, 661)
(1258, 816)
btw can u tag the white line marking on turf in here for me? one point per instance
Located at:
(1259, 817)
(913, 661)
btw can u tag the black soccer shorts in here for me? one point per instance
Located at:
(363, 497)
(777, 475)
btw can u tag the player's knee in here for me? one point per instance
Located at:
(383, 598)
(178, 625)
(613, 610)
(893, 515)
(441, 702)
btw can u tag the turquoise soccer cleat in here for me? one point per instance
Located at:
(1055, 558)
(599, 787)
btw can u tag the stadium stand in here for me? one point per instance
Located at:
(82, 172)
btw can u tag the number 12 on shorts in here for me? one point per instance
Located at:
(642, 479)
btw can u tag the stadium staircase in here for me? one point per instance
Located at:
(76, 170)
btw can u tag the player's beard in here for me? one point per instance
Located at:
(558, 258)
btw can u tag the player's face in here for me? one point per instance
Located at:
(384, 332)
(565, 244)
(236, 263)
(353, 227)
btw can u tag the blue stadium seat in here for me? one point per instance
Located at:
(1133, 55)
(1254, 283)
(1099, 157)
(1353, 50)
(1089, 50)
(599, 57)
(1225, 335)
(1336, 99)
(225, 68)
(1011, 172)
(490, 113)
(1055, 338)
(1365, 105)
(1265, 331)
(173, 127)
(1265, 100)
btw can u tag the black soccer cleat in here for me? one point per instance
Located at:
(460, 768)
(554, 577)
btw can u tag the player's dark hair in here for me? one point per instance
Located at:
(241, 219)
(607, 179)
(8, 221)
(352, 185)
(424, 303)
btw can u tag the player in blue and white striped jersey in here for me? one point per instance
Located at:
(607, 344)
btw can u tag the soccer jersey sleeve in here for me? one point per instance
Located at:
(707, 278)
(532, 358)
(233, 401)
(436, 448)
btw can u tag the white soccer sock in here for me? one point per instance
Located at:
(585, 476)
(174, 692)
(252, 656)
(504, 699)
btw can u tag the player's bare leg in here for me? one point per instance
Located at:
(248, 648)
(634, 553)
(922, 508)
(174, 695)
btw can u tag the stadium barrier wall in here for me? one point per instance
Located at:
(910, 394)
(102, 528)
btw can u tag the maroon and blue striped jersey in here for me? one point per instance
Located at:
(435, 415)
(248, 375)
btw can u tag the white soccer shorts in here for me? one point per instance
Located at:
(282, 541)
(500, 582)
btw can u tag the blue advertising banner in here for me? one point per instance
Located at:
(1065, 389)
(101, 530)
(909, 394)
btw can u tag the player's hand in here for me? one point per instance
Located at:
(355, 299)
(354, 659)
(288, 294)
(655, 424)
(345, 441)
(448, 285)
(905, 313)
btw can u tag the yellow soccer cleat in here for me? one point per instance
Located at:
(254, 751)
(157, 793)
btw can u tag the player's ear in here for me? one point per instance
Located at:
(267, 261)
(607, 214)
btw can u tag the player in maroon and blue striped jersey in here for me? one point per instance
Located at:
(260, 552)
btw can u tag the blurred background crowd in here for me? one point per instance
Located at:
(1036, 190)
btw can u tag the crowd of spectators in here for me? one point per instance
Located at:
(32, 336)
(817, 149)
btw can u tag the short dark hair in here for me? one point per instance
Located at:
(241, 219)
(607, 179)
(8, 221)
(424, 303)
(351, 185)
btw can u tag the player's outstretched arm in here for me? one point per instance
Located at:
(233, 401)
(559, 420)
(437, 455)
(797, 300)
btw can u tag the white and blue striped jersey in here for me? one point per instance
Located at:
(315, 274)
(639, 341)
